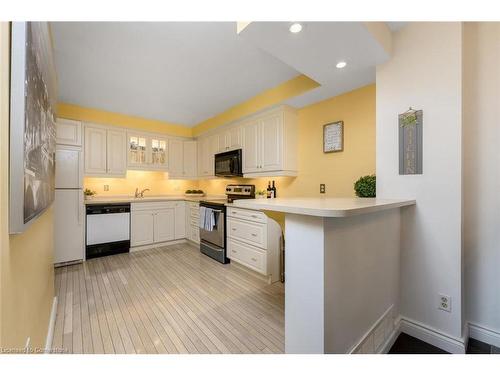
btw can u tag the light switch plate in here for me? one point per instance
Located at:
(322, 188)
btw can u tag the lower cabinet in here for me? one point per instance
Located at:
(192, 221)
(155, 222)
(254, 241)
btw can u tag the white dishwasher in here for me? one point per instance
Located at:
(108, 229)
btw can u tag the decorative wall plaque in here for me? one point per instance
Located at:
(333, 137)
(410, 142)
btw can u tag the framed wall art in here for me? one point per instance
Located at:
(333, 137)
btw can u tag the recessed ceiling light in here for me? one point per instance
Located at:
(295, 28)
(341, 64)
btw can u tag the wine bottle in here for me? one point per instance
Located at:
(269, 191)
(273, 191)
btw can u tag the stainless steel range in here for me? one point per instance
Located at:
(213, 221)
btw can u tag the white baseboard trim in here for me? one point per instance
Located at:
(50, 330)
(155, 245)
(484, 334)
(432, 336)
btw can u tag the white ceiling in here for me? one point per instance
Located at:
(171, 71)
(187, 72)
(316, 50)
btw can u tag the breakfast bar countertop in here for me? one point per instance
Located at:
(323, 207)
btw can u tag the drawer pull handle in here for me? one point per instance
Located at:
(234, 229)
(254, 259)
(253, 234)
(234, 251)
(255, 216)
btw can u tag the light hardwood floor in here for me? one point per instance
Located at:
(166, 300)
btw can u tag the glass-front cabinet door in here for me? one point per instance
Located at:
(137, 150)
(159, 152)
(147, 152)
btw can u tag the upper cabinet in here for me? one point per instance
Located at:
(208, 146)
(105, 151)
(183, 160)
(68, 132)
(270, 144)
(147, 152)
(229, 139)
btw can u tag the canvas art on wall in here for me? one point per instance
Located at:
(33, 133)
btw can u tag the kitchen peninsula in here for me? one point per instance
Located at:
(342, 271)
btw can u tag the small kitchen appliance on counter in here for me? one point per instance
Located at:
(213, 221)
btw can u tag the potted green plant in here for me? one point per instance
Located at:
(366, 186)
(262, 194)
(89, 194)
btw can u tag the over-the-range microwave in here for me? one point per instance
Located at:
(228, 164)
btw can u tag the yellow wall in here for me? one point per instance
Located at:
(337, 170)
(157, 182)
(276, 95)
(26, 267)
(75, 112)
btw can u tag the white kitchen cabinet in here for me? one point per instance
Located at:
(229, 139)
(164, 225)
(192, 221)
(105, 151)
(270, 144)
(69, 166)
(69, 225)
(68, 132)
(180, 220)
(208, 146)
(252, 146)
(255, 241)
(95, 150)
(183, 159)
(116, 152)
(175, 154)
(147, 151)
(142, 228)
(156, 222)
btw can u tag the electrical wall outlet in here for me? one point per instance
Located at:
(106, 187)
(322, 188)
(444, 303)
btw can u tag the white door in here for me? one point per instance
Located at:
(116, 152)
(180, 220)
(203, 156)
(213, 146)
(233, 138)
(251, 147)
(137, 149)
(175, 156)
(68, 132)
(164, 225)
(68, 225)
(142, 225)
(271, 143)
(222, 142)
(189, 159)
(69, 167)
(95, 150)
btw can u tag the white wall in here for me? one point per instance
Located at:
(425, 73)
(482, 173)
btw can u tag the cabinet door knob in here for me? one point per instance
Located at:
(234, 229)
(254, 235)
(254, 259)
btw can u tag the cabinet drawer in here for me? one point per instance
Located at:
(152, 206)
(247, 255)
(194, 211)
(251, 215)
(249, 232)
(195, 233)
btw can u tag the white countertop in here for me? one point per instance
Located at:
(323, 207)
(156, 198)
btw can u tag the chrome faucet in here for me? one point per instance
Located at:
(140, 194)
